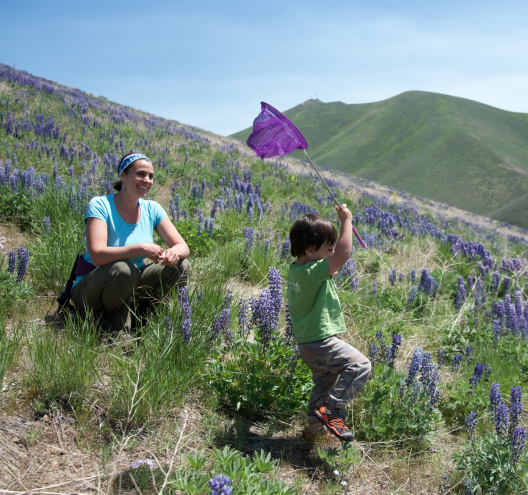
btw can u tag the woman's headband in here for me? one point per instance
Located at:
(131, 159)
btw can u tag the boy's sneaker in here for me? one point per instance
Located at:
(335, 424)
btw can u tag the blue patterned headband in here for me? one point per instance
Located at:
(131, 159)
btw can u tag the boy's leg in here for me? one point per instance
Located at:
(343, 369)
(324, 380)
(107, 290)
(353, 376)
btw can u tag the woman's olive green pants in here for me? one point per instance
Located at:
(112, 290)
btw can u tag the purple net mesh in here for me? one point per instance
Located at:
(274, 135)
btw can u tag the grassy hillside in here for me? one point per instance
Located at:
(453, 150)
(211, 381)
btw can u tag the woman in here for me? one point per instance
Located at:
(119, 230)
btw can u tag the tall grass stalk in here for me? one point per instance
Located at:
(64, 366)
(9, 346)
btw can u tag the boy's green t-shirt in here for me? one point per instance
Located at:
(313, 302)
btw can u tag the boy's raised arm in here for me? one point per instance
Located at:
(344, 243)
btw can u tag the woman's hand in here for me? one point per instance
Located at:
(169, 257)
(152, 251)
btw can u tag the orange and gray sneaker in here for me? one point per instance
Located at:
(335, 424)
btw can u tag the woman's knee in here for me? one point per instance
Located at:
(177, 275)
(124, 272)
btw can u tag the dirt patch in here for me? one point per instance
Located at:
(14, 238)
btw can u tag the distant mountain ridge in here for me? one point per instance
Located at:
(449, 149)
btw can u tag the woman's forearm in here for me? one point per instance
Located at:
(181, 249)
(107, 254)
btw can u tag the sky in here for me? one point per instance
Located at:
(209, 64)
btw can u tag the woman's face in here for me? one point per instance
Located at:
(139, 178)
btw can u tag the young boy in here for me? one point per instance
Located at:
(339, 371)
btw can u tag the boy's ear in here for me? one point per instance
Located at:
(309, 251)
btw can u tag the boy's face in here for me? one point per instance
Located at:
(323, 252)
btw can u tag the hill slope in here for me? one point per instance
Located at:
(453, 150)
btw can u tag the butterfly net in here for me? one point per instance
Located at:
(274, 135)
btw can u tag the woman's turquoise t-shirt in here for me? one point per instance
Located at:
(119, 232)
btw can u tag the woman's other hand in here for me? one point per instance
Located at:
(152, 251)
(169, 257)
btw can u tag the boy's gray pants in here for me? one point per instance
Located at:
(339, 373)
(110, 290)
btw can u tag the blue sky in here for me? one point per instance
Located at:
(209, 64)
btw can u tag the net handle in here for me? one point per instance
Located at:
(358, 237)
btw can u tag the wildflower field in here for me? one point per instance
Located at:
(209, 394)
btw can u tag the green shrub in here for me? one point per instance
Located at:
(390, 409)
(255, 379)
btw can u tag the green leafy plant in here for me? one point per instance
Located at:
(255, 379)
(487, 461)
(388, 409)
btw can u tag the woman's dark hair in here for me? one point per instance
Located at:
(311, 231)
(118, 184)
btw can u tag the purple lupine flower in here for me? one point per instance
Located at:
(495, 281)
(477, 375)
(263, 315)
(388, 357)
(501, 420)
(14, 181)
(200, 223)
(471, 424)
(11, 262)
(72, 171)
(412, 294)
(517, 443)
(516, 394)
(470, 281)
(396, 344)
(183, 297)
(468, 487)
(496, 330)
(374, 288)
(55, 170)
(413, 276)
(457, 359)
(506, 281)
(249, 237)
(440, 357)
(426, 360)
(220, 485)
(423, 280)
(487, 372)
(518, 302)
(415, 365)
(516, 410)
(243, 312)
(275, 284)
(373, 353)
(460, 295)
(286, 247)
(495, 399)
(46, 225)
(168, 323)
(392, 276)
(22, 263)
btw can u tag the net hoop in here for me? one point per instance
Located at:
(287, 122)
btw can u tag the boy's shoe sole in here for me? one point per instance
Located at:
(335, 425)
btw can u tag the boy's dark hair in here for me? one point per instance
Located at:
(311, 231)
